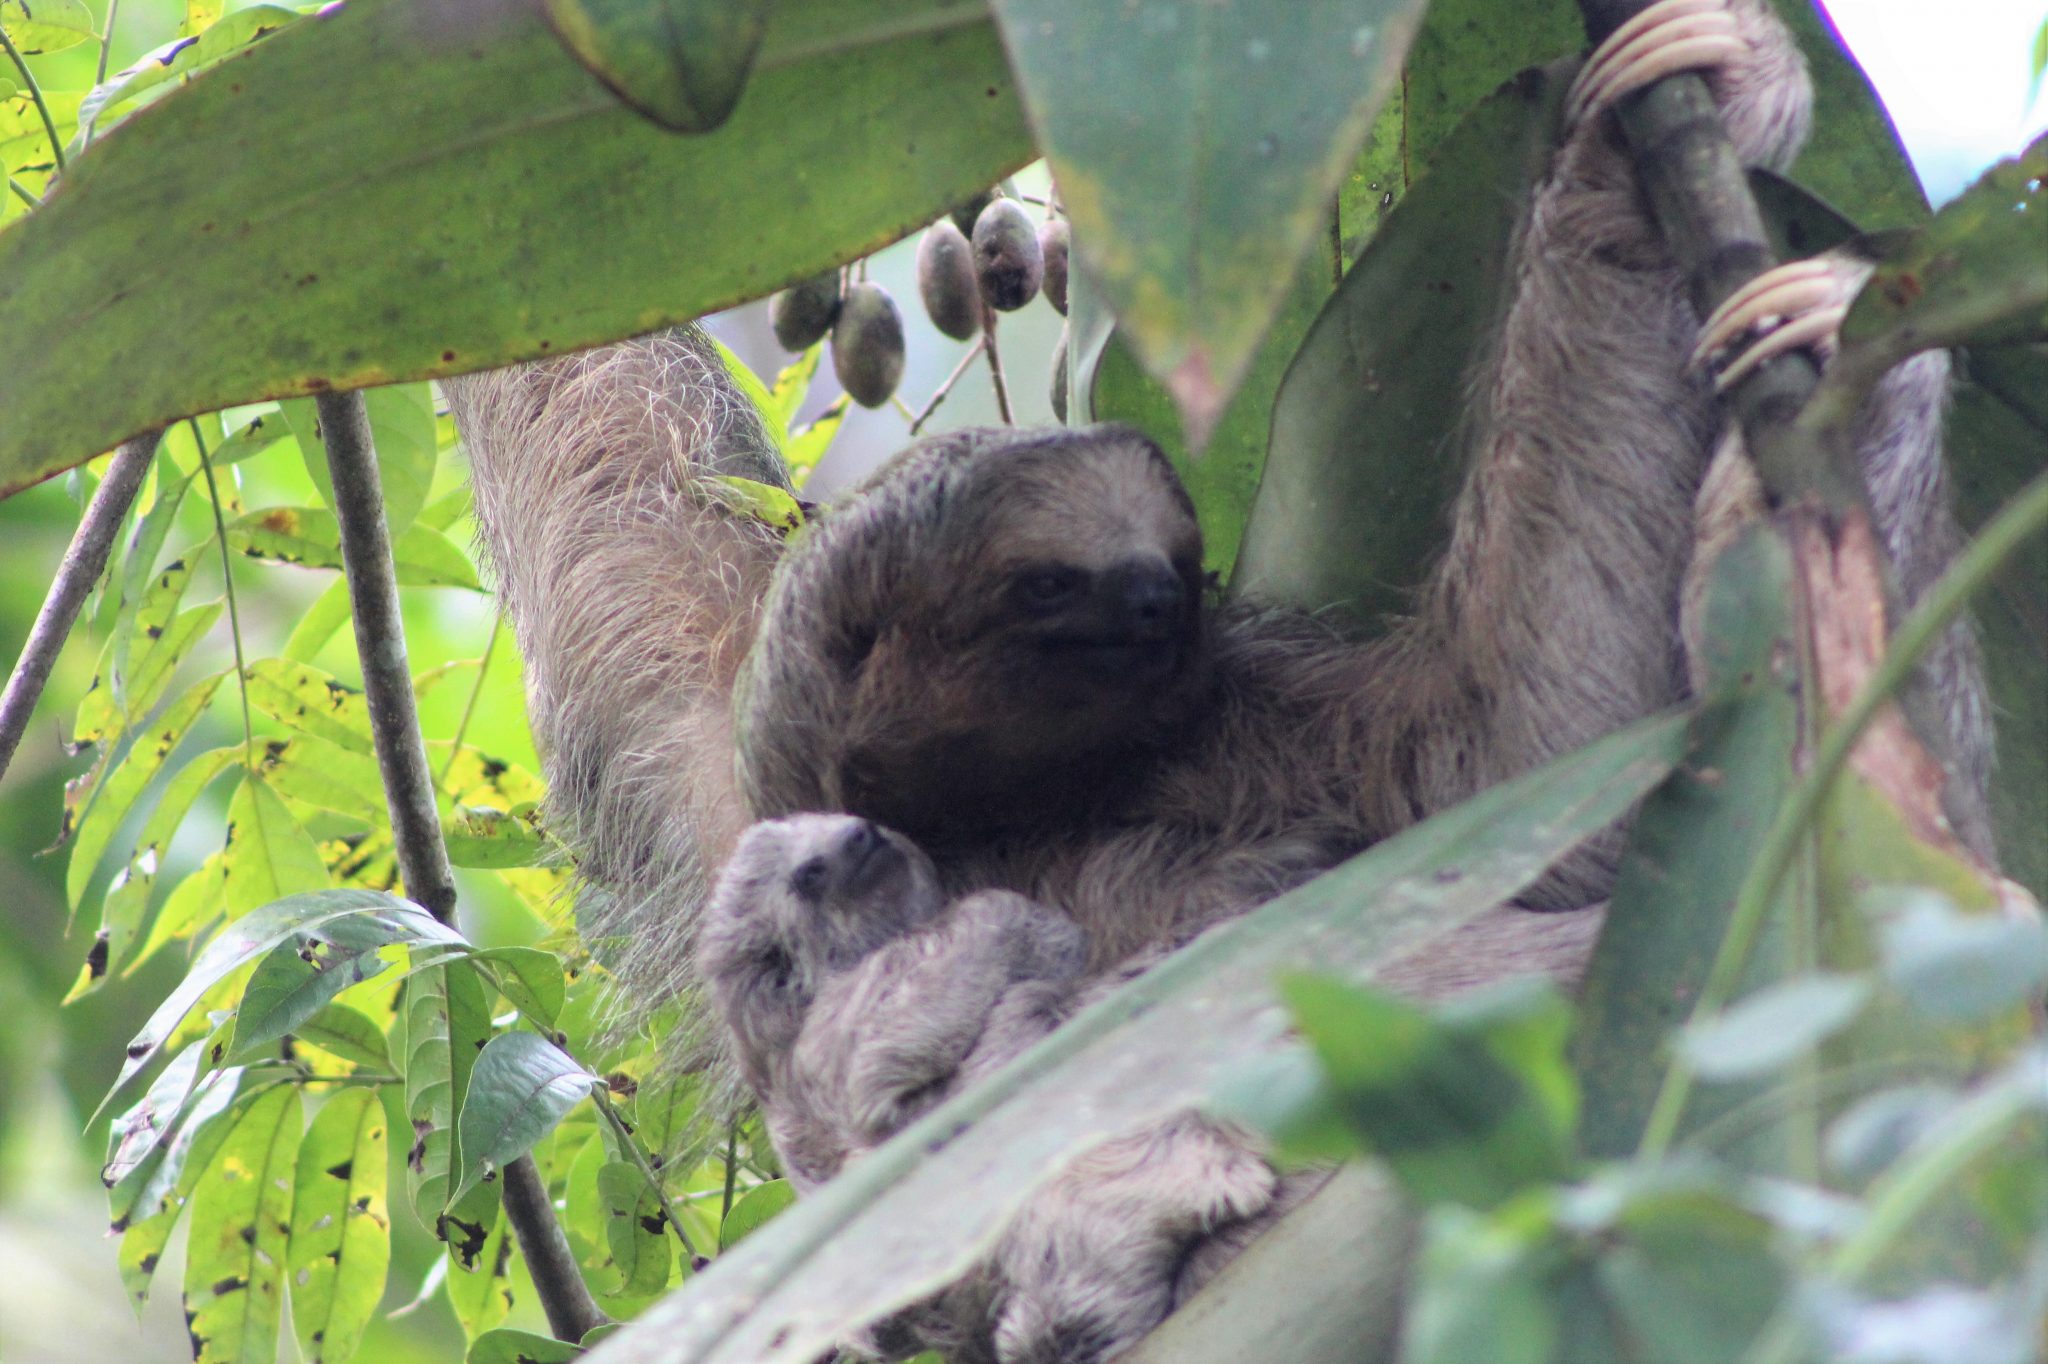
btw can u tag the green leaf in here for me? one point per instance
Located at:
(530, 977)
(268, 855)
(309, 537)
(1690, 848)
(1433, 1098)
(349, 1034)
(507, 1346)
(765, 502)
(191, 905)
(241, 942)
(306, 699)
(1156, 1046)
(682, 63)
(479, 836)
(1774, 1026)
(792, 386)
(1196, 150)
(447, 1021)
(1689, 1274)
(480, 1271)
(184, 55)
(1974, 273)
(754, 1208)
(302, 974)
(522, 1086)
(125, 784)
(147, 541)
(1365, 445)
(48, 26)
(138, 1134)
(1963, 968)
(808, 443)
(268, 214)
(150, 1201)
(317, 773)
(635, 1228)
(235, 1255)
(328, 613)
(340, 1247)
(401, 428)
(1481, 1294)
(1878, 1128)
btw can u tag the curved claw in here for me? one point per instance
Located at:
(1800, 304)
(1670, 36)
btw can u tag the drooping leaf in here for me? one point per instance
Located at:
(1196, 148)
(125, 784)
(309, 537)
(1364, 450)
(192, 904)
(240, 1226)
(521, 1087)
(301, 975)
(447, 1021)
(479, 1282)
(1960, 968)
(301, 260)
(349, 1034)
(507, 1346)
(268, 854)
(243, 941)
(184, 55)
(635, 1228)
(682, 63)
(1777, 1024)
(340, 1245)
(528, 976)
(304, 698)
(753, 1209)
(328, 613)
(311, 770)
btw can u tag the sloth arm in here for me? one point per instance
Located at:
(634, 598)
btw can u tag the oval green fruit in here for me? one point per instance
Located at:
(1053, 238)
(867, 345)
(1007, 262)
(805, 311)
(945, 281)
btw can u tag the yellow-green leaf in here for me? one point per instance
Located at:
(235, 1256)
(340, 1247)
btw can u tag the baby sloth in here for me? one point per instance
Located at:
(857, 998)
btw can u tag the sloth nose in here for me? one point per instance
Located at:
(1150, 595)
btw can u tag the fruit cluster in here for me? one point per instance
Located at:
(986, 256)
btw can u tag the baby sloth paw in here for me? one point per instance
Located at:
(1796, 306)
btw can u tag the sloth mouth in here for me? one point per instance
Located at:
(1116, 655)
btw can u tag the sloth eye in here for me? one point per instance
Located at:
(1048, 589)
(808, 881)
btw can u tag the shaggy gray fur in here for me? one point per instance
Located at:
(1147, 778)
(857, 1001)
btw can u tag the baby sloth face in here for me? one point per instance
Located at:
(830, 888)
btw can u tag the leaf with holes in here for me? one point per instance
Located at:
(240, 1226)
(340, 1245)
(635, 1228)
(304, 698)
(125, 784)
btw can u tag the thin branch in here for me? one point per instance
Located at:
(1699, 195)
(83, 563)
(732, 1169)
(107, 42)
(409, 794)
(2023, 517)
(995, 363)
(931, 404)
(24, 193)
(227, 578)
(483, 668)
(35, 93)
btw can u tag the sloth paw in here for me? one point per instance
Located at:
(1797, 305)
(1670, 36)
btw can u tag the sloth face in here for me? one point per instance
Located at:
(827, 889)
(1052, 629)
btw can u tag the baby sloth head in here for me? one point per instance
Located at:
(799, 899)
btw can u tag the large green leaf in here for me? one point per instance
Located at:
(1196, 147)
(521, 1086)
(682, 63)
(395, 190)
(241, 1224)
(340, 1243)
(1160, 1044)
(1363, 457)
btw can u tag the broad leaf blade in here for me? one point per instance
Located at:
(340, 1246)
(1196, 147)
(521, 1087)
(241, 1221)
(302, 260)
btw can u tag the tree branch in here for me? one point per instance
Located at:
(1699, 195)
(83, 563)
(409, 793)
